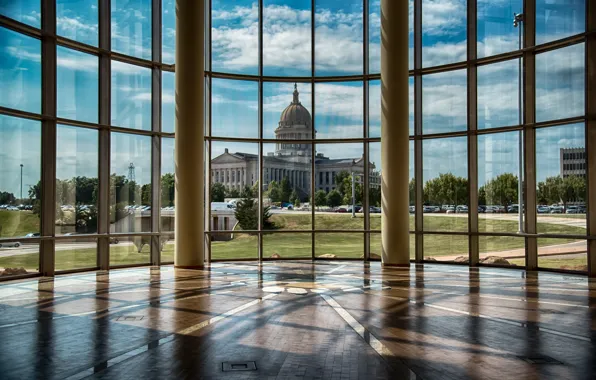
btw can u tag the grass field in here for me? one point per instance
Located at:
(17, 223)
(298, 245)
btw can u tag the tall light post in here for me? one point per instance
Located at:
(21, 183)
(518, 19)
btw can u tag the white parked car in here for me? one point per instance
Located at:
(10, 244)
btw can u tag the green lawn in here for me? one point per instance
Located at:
(17, 223)
(298, 245)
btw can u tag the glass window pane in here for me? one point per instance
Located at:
(130, 183)
(131, 27)
(287, 246)
(444, 28)
(130, 250)
(338, 37)
(287, 38)
(339, 169)
(234, 36)
(498, 181)
(376, 246)
(339, 245)
(228, 246)
(374, 36)
(18, 257)
(339, 110)
(496, 33)
(502, 250)
(287, 185)
(77, 184)
(565, 254)
(446, 248)
(445, 176)
(556, 19)
(168, 31)
(168, 189)
(560, 83)
(77, 85)
(20, 177)
(76, 254)
(20, 71)
(498, 95)
(167, 245)
(286, 117)
(374, 112)
(234, 108)
(131, 96)
(444, 102)
(168, 102)
(78, 20)
(25, 11)
(561, 180)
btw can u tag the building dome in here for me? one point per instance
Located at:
(295, 114)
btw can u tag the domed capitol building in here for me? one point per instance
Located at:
(290, 159)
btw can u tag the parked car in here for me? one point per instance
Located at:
(341, 210)
(356, 208)
(10, 244)
(114, 240)
(450, 209)
(481, 209)
(572, 210)
(556, 209)
(374, 210)
(427, 209)
(32, 234)
(462, 209)
(543, 209)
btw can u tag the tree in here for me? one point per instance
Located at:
(446, 189)
(247, 192)
(320, 198)
(573, 189)
(341, 185)
(218, 192)
(168, 189)
(295, 198)
(412, 191)
(549, 190)
(374, 196)
(334, 198)
(502, 189)
(481, 196)
(146, 194)
(274, 192)
(232, 192)
(7, 198)
(285, 189)
(347, 186)
(247, 211)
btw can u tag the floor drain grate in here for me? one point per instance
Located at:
(539, 359)
(238, 366)
(129, 318)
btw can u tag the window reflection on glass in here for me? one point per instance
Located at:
(26, 11)
(444, 102)
(78, 20)
(445, 178)
(444, 28)
(339, 171)
(131, 96)
(374, 185)
(498, 182)
(234, 36)
(287, 38)
(339, 111)
(168, 190)
(561, 186)
(20, 181)
(234, 108)
(131, 27)
(77, 85)
(556, 19)
(285, 115)
(498, 95)
(168, 31)
(130, 250)
(560, 83)
(77, 184)
(338, 37)
(496, 33)
(374, 36)
(130, 183)
(287, 185)
(20, 71)
(168, 102)
(76, 254)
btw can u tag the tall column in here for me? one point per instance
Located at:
(189, 155)
(395, 133)
(591, 133)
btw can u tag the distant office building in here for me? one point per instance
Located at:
(290, 159)
(573, 162)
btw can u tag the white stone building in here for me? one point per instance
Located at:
(290, 159)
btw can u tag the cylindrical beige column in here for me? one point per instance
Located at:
(189, 155)
(395, 133)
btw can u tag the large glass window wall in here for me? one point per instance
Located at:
(293, 132)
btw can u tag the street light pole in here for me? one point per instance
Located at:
(353, 195)
(518, 19)
(21, 183)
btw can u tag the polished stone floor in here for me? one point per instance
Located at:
(292, 320)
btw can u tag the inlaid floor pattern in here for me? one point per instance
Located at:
(299, 320)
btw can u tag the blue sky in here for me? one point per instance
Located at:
(287, 52)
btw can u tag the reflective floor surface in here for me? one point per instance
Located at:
(289, 320)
